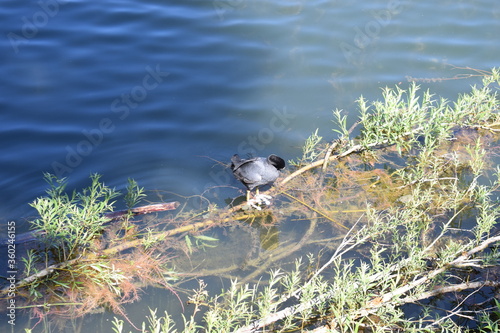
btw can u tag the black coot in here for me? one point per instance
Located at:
(257, 171)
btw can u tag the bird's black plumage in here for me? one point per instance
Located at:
(257, 171)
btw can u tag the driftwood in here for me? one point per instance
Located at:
(32, 235)
(143, 210)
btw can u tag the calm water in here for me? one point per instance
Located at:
(155, 90)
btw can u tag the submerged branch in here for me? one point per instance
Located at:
(354, 149)
(122, 247)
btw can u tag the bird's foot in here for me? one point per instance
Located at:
(259, 200)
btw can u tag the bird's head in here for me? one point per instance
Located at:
(276, 161)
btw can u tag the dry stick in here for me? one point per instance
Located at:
(335, 144)
(143, 210)
(329, 153)
(456, 311)
(449, 289)
(385, 299)
(354, 149)
(460, 261)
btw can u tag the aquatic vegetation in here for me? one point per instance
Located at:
(70, 222)
(364, 234)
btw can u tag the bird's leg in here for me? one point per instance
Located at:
(248, 195)
(259, 199)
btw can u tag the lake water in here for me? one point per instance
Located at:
(156, 90)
